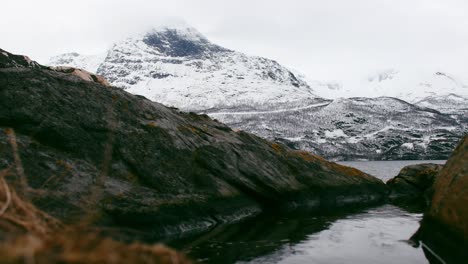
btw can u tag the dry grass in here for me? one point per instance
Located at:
(20, 217)
(21, 178)
(28, 235)
(31, 236)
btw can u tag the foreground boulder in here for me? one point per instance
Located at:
(413, 182)
(444, 230)
(450, 202)
(148, 171)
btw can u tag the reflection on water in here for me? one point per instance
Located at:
(255, 237)
(373, 235)
(378, 235)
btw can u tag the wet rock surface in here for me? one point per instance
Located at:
(444, 230)
(151, 171)
(451, 191)
(449, 204)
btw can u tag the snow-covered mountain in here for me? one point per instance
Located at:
(438, 90)
(178, 66)
(90, 63)
(381, 128)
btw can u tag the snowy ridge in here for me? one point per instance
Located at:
(413, 86)
(214, 114)
(87, 62)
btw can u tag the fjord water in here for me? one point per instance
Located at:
(378, 234)
(385, 170)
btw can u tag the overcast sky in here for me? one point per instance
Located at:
(325, 39)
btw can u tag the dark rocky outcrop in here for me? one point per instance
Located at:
(152, 170)
(444, 229)
(181, 43)
(9, 60)
(414, 182)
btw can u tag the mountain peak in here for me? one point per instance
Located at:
(180, 40)
(181, 27)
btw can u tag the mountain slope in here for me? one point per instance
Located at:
(382, 128)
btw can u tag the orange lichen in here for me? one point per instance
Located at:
(152, 124)
(64, 164)
(307, 156)
(190, 128)
(277, 148)
(349, 171)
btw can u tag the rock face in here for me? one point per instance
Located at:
(148, 168)
(413, 181)
(9, 60)
(444, 229)
(449, 205)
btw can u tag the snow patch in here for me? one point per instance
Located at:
(321, 141)
(408, 145)
(294, 139)
(353, 140)
(335, 133)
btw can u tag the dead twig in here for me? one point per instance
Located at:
(23, 182)
(7, 191)
(8, 196)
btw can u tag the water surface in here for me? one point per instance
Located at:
(385, 170)
(377, 235)
(373, 235)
